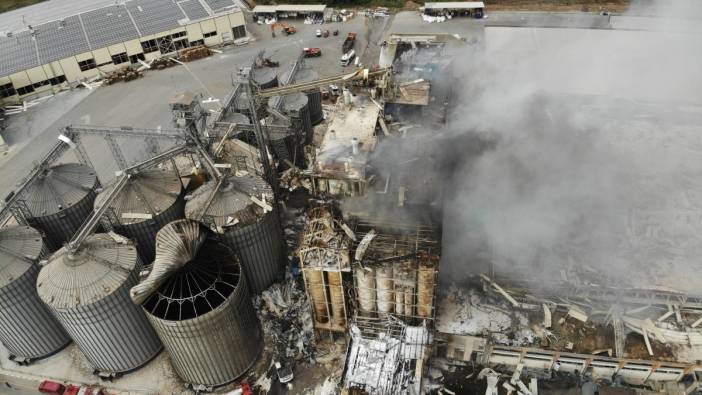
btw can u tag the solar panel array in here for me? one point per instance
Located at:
(219, 5)
(108, 26)
(59, 40)
(193, 9)
(97, 29)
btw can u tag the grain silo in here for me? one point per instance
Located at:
(197, 299)
(59, 201)
(88, 292)
(27, 328)
(265, 77)
(150, 199)
(314, 96)
(296, 106)
(286, 145)
(243, 211)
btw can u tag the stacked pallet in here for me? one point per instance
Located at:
(195, 53)
(124, 74)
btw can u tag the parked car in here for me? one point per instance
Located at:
(326, 33)
(312, 52)
(318, 33)
(51, 387)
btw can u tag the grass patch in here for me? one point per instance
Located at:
(9, 5)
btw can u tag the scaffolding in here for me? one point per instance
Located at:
(395, 274)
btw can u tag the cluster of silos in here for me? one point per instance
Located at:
(87, 290)
(404, 288)
(200, 305)
(314, 97)
(151, 199)
(265, 78)
(327, 296)
(242, 210)
(286, 145)
(27, 328)
(59, 201)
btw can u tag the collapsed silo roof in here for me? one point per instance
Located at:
(20, 246)
(58, 187)
(239, 201)
(146, 195)
(98, 268)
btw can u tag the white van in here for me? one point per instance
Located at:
(348, 57)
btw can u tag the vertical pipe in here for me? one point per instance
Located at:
(365, 283)
(384, 286)
(425, 296)
(337, 298)
(319, 299)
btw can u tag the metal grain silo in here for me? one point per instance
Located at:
(151, 199)
(201, 307)
(59, 201)
(27, 328)
(295, 106)
(252, 231)
(88, 292)
(286, 145)
(314, 96)
(265, 77)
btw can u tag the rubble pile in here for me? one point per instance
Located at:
(125, 74)
(162, 63)
(194, 53)
(286, 319)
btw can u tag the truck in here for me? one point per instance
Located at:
(348, 57)
(348, 43)
(312, 52)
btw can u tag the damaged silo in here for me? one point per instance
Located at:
(243, 211)
(198, 300)
(59, 200)
(287, 144)
(296, 106)
(27, 328)
(314, 96)
(265, 77)
(88, 292)
(151, 199)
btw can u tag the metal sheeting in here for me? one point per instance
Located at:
(60, 39)
(314, 97)
(19, 53)
(157, 193)
(88, 292)
(27, 328)
(203, 312)
(59, 201)
(155, 16)
(254, 235)
(220, 5)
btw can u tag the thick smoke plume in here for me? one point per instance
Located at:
(594, 156)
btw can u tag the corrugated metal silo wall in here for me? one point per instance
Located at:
(260, 248)
(314, 100)
(306, 123)
(218, 347)
(59, 228)
(113, 333)
(27, 327)
(144, 232)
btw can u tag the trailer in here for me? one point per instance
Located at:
(348, 43)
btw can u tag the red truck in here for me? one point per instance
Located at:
(348, 43)
(51, 387)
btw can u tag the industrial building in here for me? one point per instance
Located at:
(69, 48)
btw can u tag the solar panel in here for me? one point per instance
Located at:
(108, 26)
(155, 16)
(60, 39)
(18, 53)
(218, 5)
(193, 9)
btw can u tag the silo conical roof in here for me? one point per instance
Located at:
(20, 246)
(149, 192)
(232, 202)
(58, 188)
(99, 267)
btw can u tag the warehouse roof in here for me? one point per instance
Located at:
(270, 9)
(58, 29)
(455, 5)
